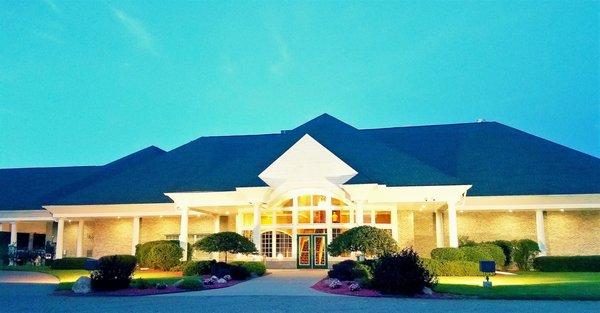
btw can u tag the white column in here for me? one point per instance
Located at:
(59, 238)
(359, 214)
(295, 228)
(439, 230)
(273, 244)
(30, 242)
(135, 234)
(13, 233)
(394, 217)
(239, 220)
(373, 217)
(79, 243)
(183, 231)
(329, 219)
(452, 225)
(217, 228)
(540, 232)
(256, 226)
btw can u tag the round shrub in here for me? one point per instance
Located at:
(228, 242)
(114, 272)
(343, 270)
(190, 283)
(452, 268)
(239, 272)
(447, 254)
(160, 254)
(191, 268)
(402, 273)
(363, 275)
(525, 251)
(507, 249)
(254, 267)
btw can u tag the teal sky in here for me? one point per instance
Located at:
(88, 82)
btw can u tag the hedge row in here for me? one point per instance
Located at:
(476, 253)
(452, 268)
(67, 263)
(590, 263)
(257, 268)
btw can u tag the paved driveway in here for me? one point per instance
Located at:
(16, 297)
(10, 277)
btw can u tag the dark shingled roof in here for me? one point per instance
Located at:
(30, 188)
(496, 159)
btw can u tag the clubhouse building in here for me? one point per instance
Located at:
(292, 192)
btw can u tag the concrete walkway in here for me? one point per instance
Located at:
(14, 277)
(276, 283)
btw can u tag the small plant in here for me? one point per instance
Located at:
(402, 273)
(141, 283)
(114, 272)
(343, 270)
(238, 272)
(191, 268)
(257, 268)
(190, 283)
(525, 250)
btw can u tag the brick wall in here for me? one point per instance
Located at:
(573, 232)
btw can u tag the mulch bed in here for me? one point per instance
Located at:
(323, 286)
(132, 291)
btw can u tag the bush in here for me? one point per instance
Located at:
(114, 272)
(402, 273)
(525, 251)
(191, 268)
(507, 249)
(141, 283)
(161, 254)
(228, 242)
(68, 264)
(343, 270)
(239, 272)
(368, 240)
(587, 263)
(220, 269)
(190, 283)
(257, 268)
(363, 275)
(447, 254)
(452, 268)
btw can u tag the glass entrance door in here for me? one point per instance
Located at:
(312, 251)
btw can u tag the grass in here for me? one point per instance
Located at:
(527, 285)
(68, 277)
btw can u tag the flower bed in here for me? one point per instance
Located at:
(133, 291)
(344, 289)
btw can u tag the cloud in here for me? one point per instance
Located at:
(137, 29)
(52, 6)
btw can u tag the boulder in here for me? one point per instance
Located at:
(354, 287)
(227, 277)
(427, 291)
(335, 283)
(83, 284)
(221, 281)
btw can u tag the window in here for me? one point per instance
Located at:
(319, 216)
(266, 218)
(266, 244)
(304, 200)
(336, 202)
(288, 203)
(304, 216)
(367, 217)
(340, 216)
(247, 234)
(283, 217)
(248, 219)
(319, 200)
(283, 244)
(383, 217)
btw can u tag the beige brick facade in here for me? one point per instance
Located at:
(573, 232)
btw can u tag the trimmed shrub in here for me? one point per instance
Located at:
(254, 267)
(525, 251)
(190, 283)
(363, 275)
(220, 269)
(583, 263)
(68, 264)
(343, 270)
(368, 240)
(447, 254)
(141, 283)
(452, 268)
(239, 272)
(507, 249)
(161, 254)
(191, 268)
(114, 272)
(402, 273)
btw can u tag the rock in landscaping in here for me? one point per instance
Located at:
(335, 283)
(214, 279)
(354, 287)
(427, 291)
(82, 285)
(227, 277)
(221, 281)
(208, 281)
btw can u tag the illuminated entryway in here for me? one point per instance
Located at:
(312, 251)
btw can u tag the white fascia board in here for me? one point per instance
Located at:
(25, 216)
(113, 210)
(387, 194)
(208, 199)
(532, 202)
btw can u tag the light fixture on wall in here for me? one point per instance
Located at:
(562, 210)
(510, 211)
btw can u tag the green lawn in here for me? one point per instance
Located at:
(68, 277)
(527, 285)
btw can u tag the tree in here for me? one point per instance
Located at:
(368, 240)
(228, 242)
